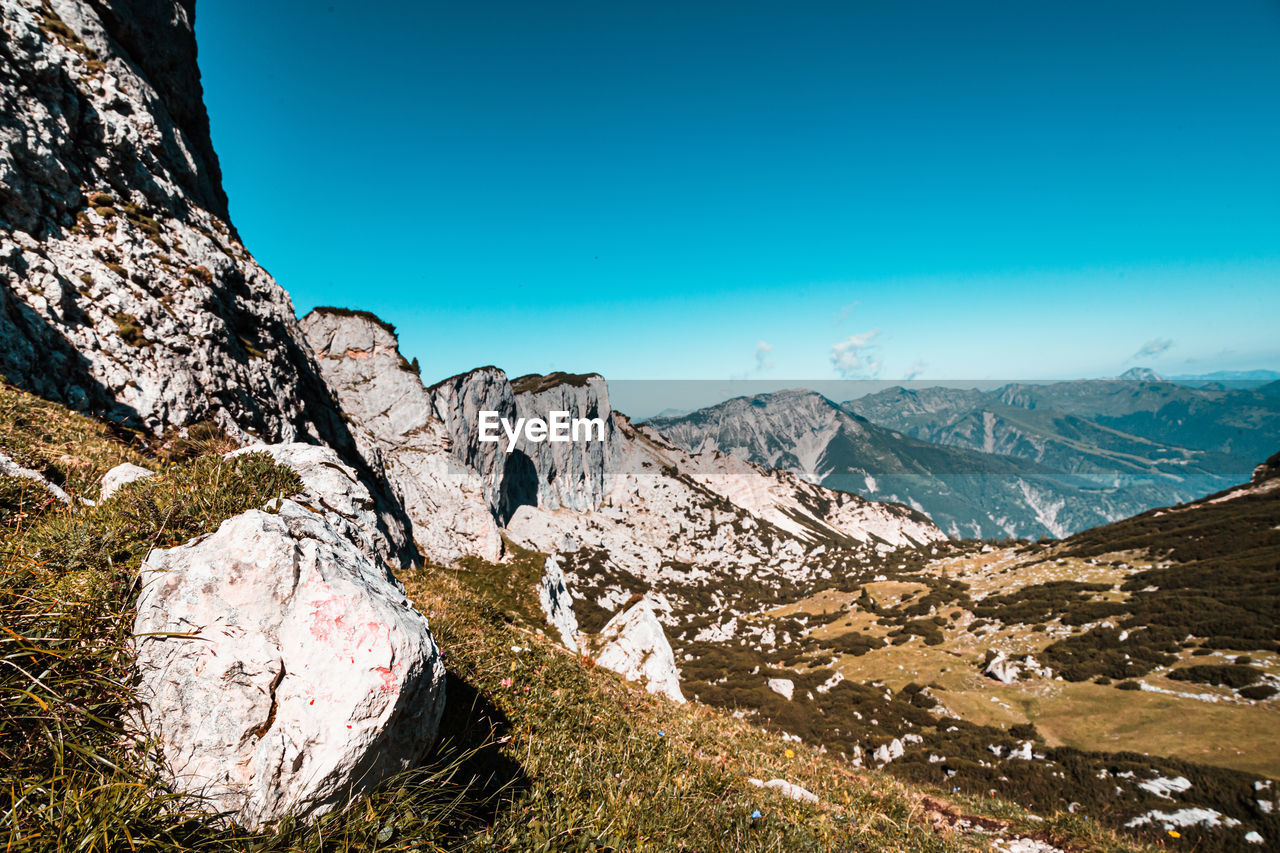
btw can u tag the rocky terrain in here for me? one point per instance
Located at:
(126, 292)
(627, 514)
(265, 588)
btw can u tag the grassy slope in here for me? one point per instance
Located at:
(539, 750)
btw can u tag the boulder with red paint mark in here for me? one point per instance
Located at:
(301, 676)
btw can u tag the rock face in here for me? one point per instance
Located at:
(458, 402)
(451, 504)
(557, 603)
(123, 290)
(634, 645)
(308, 678)
(570, 475)
(456, 488)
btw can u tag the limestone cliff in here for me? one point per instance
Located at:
(452, 505)
(125, 290)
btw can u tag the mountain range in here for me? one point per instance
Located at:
(265, 587)
(1021, 460)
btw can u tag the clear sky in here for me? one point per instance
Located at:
(663, 190)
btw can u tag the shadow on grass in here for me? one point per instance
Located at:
(472, 733)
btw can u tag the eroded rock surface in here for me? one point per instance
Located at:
(557, 603)
(123, 289)
(335, 490)
(575, 474)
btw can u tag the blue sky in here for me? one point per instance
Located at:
(667, 190)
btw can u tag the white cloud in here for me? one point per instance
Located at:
(917, 367)
(1151, 349)
(763, 361)
(857, 356)
(845, 312)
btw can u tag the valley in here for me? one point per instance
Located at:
(269, 582)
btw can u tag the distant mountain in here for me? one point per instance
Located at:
(1178, 441)
(967, 492)
(1244, 424)
(1232, 376)
(1064, 442)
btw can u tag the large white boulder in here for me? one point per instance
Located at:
(634, 645)
(280, 671)
(557, 603)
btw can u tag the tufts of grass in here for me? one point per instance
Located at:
(587, 761)
(70, 450)
(130, 329)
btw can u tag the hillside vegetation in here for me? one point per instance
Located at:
(539, 750)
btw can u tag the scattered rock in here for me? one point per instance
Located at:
(787, 789)
(887, 752)
(784, 687)
(1002, 668)
(634, 645)
(9, 468)
(121, 476)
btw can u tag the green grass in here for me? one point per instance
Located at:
(539, 750)
(70, 450)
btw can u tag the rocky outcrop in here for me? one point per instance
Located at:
(334, 490)
(634, 645)
(457, 402)
(121, 476)
(123, 290)
(1000, 667)
(451, 504)
(280, 671)
(574, 474)
(557, 603)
